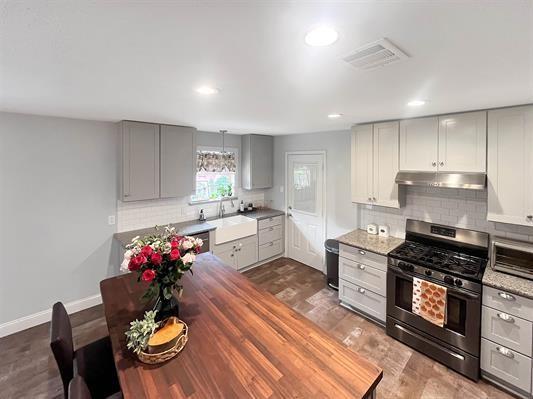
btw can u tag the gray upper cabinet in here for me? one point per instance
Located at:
(257, 161)
(140, 161)
(178, 161)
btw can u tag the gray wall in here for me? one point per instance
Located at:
(341, 213)
(59, 184)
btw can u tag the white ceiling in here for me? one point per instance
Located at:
(142, 60)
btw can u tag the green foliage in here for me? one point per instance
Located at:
(140, 332)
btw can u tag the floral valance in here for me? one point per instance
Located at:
(215, 161)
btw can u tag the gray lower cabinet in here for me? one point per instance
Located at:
(363, 281)
(178, 161)
(239, 253)
(140, 160)
(257, 161)
(507, 340)
(270, 233)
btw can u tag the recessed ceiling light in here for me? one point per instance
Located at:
(207, 90)
(416, 103)
(322, 36)
(334, 116)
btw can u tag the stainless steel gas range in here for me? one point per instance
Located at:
(453, 258)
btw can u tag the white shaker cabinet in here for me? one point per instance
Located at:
(510, 165)
(463, 142)
(375, 164)
(419, 144)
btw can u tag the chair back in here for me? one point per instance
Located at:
(77, 389)
(62, 344)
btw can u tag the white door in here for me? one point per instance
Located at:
(305, 207)
(419, 144)
(385, 192)
(362, 164)
(463, 142)
(510, 165)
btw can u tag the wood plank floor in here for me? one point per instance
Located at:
(28, 369)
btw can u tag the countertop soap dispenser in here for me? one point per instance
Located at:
(201, 218)
(241, 206)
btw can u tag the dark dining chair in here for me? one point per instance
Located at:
(77, 389)
(94, 362)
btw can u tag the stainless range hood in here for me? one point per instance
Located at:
(471, 181)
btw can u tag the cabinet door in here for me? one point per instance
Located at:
(510, 164)
(361, 163)
(246, 253)
(386, 166)
(262, 161)
(419, 144)
(463, 142)
(140, 161)
(227, 257)
(178, 161)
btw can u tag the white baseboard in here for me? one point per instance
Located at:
(44, 316)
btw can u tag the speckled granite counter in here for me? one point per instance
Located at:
(361, 239)
(513, 284)
(194, 226)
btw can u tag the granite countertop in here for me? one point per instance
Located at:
(370, 242)
(194, 226)
(513, 284)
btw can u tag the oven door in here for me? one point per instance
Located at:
(462, 329)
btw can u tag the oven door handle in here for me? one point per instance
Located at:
(456, 291)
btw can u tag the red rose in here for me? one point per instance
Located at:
(134, 264)
(156, 258)
(197, 249)
(147, 251)
(148, 275)
(175, 254)
(174, 244)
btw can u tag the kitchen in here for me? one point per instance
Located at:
(422, 185)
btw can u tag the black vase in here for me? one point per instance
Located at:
(166, 307)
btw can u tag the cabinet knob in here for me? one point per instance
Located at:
(530, 217)
(433, 163)
(361, 267)
(441, 163)
(374, 199)
(369, 199)
(362, 290)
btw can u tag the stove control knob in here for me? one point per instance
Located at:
(458, 282)
(428, 272)
(406, 266)
(449, 280)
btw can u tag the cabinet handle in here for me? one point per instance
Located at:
(506, 296)
(530, 217)
(433, 163)
(362, 290)
(271, 244)
(271, 229)
(374, 199)
(362, 252)
(441, 163)
(361, 267)
(369, 199)
(505, 352)
(505, 317)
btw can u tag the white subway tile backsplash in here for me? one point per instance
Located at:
(454, 207)
(142, 214)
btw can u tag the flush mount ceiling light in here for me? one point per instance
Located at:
(207, 90)
(321, 36)
(334, 116)
(416, 103)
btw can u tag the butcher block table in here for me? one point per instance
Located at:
(243, 342)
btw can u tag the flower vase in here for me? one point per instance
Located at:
(166, 307)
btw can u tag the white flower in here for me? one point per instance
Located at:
(124, 265)
(199, 242)
(166, 248)
(128, 254)
(135, 238)
(188, 258)
(187, 244)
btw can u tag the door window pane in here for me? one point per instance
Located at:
(305, 187)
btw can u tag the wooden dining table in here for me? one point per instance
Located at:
(243, 342)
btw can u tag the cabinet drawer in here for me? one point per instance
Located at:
(513, 304)
(270, 234)
(510, 331)
(269, 250)
(227, 246)
(269, 222)
(363, 256)
(362, 299)
(510, 366)
(366, 276)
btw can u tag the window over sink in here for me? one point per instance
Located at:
(215, 175)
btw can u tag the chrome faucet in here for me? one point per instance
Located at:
(221, 210)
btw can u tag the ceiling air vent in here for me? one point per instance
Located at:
(375, 54)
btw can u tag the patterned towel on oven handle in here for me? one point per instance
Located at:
(429, 301)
